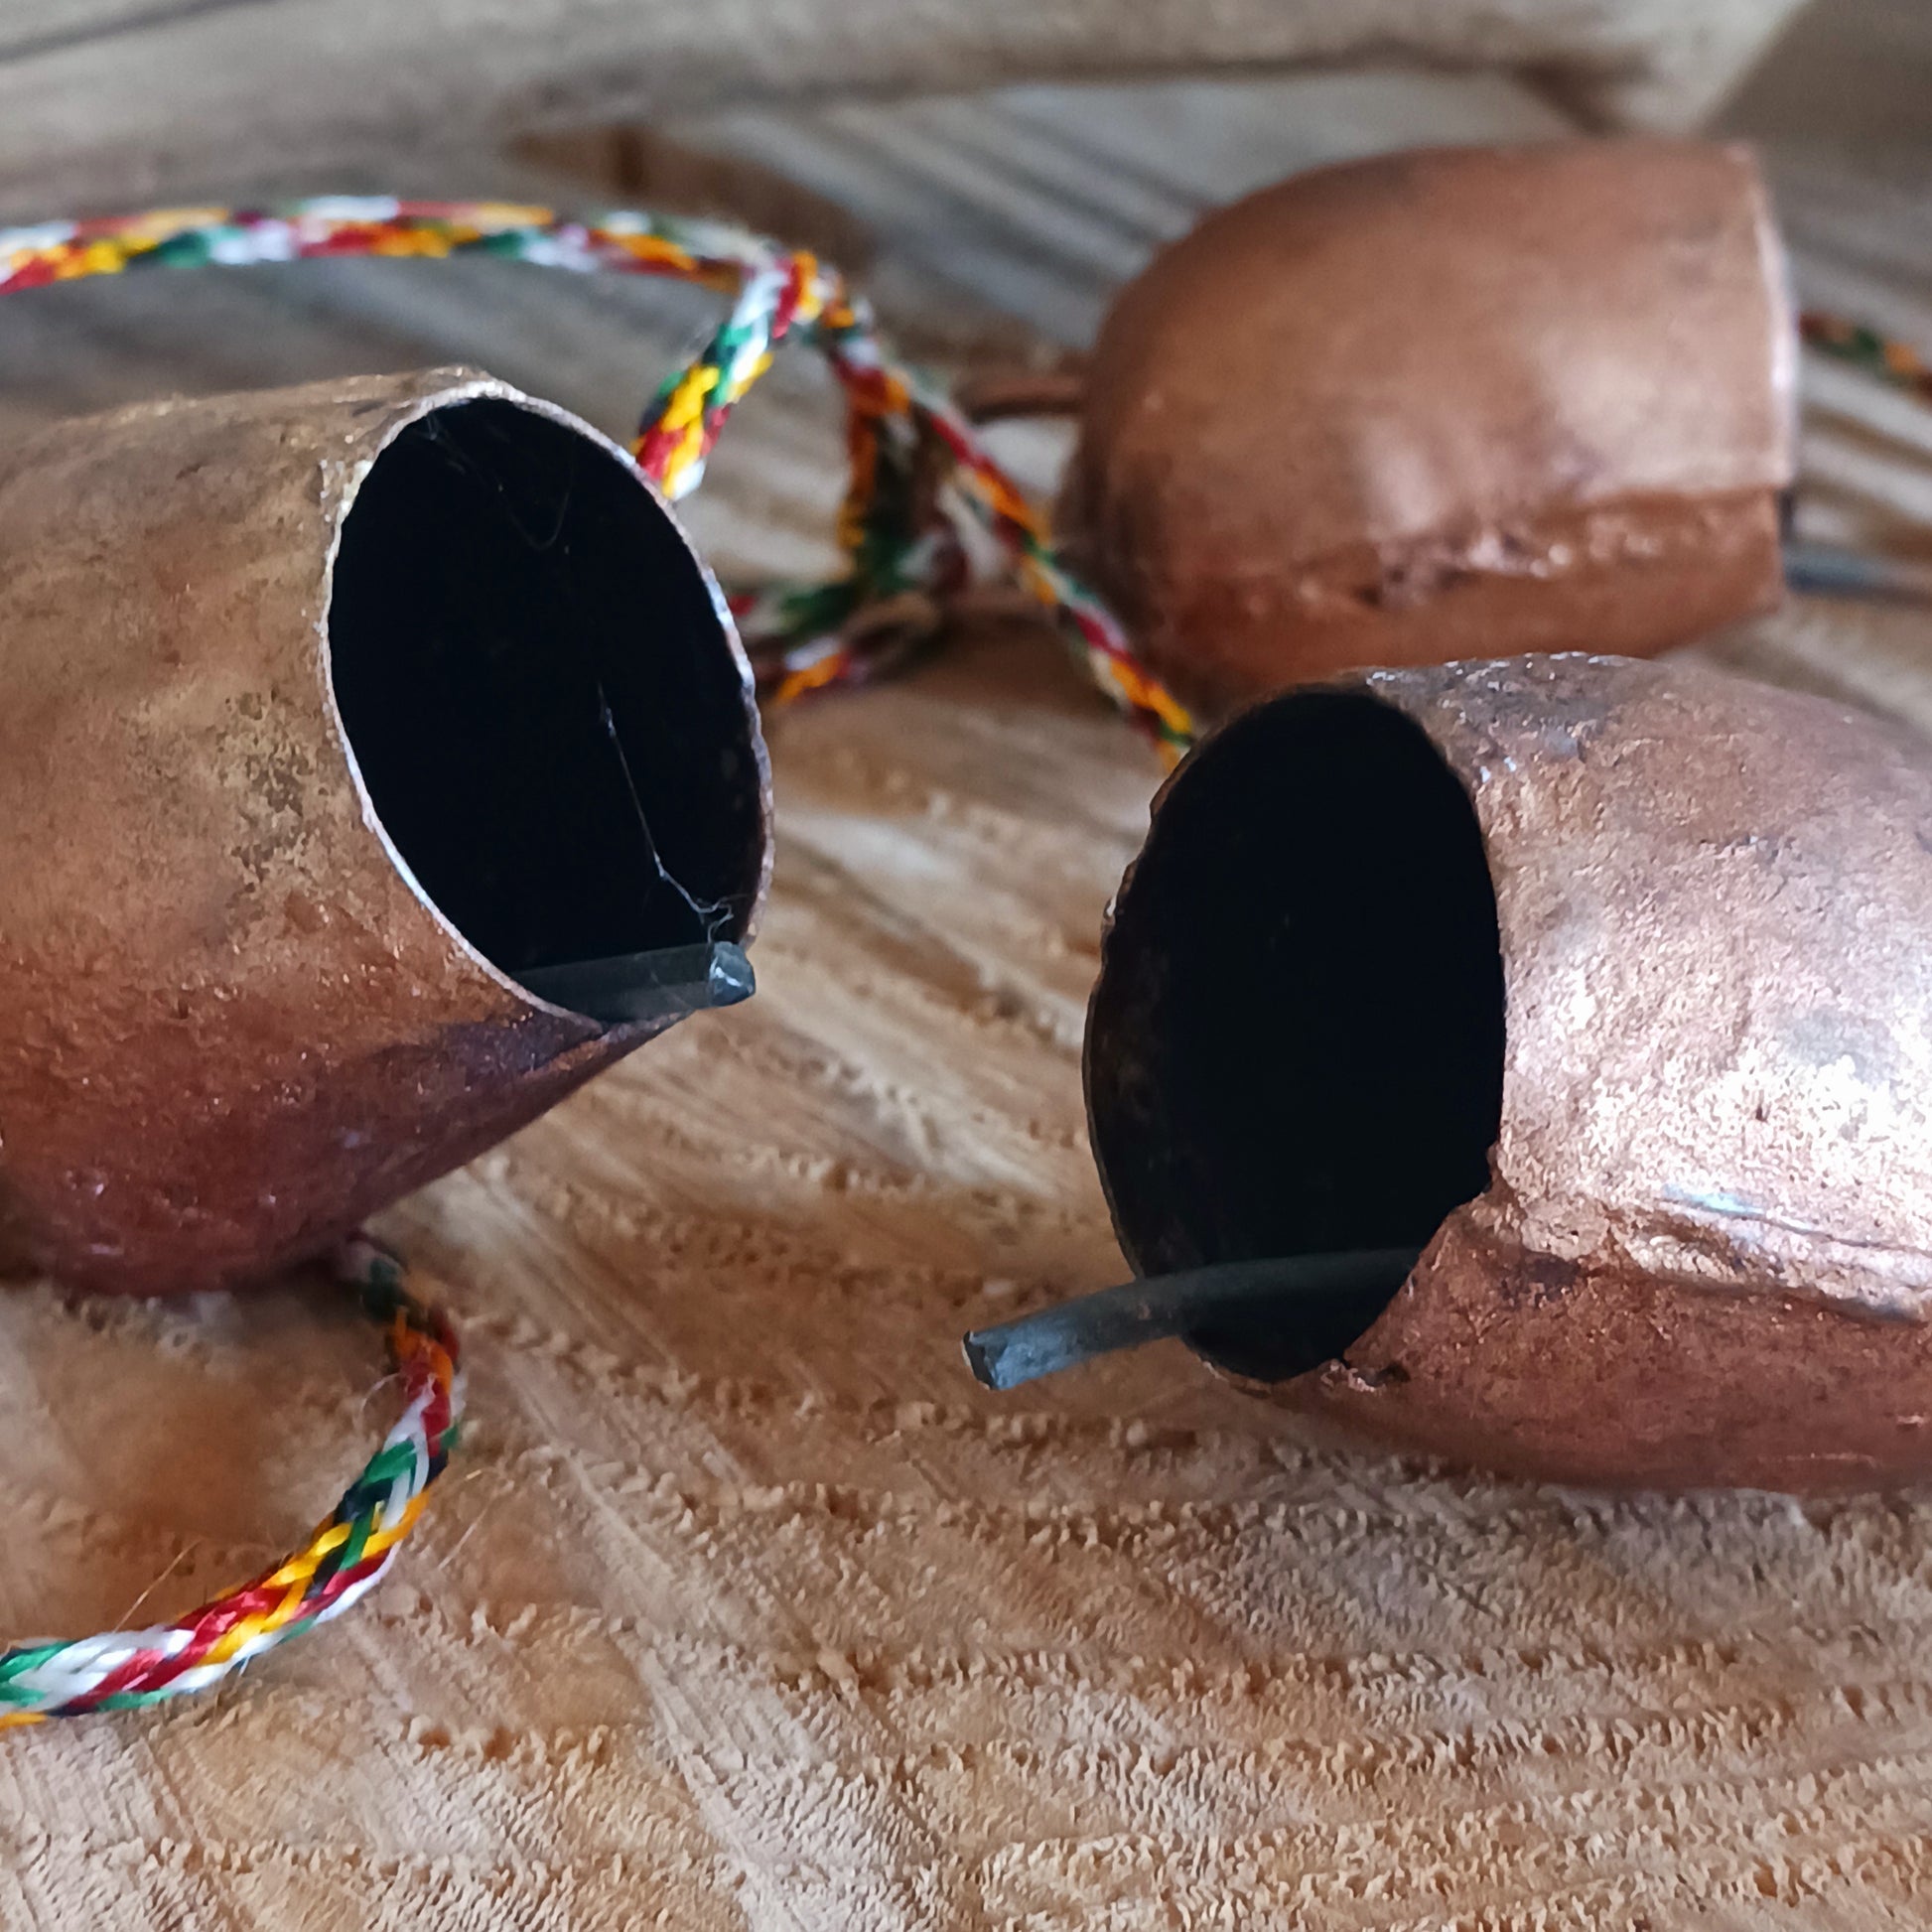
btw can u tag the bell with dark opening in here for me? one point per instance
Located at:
(377, 765)
(1537, 1057)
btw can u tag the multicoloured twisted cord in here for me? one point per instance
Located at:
(343, 1560)
(918, 473)
(1885, 357)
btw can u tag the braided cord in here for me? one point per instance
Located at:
(920, 475)
(343, 1560)
(1885, 357)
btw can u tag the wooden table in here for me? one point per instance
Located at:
(744, 1607)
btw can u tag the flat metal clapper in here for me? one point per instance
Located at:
(1178, 1305)
(626, 988)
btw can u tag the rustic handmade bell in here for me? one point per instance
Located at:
(1439, 405)
(376, 764)
(1604, 988)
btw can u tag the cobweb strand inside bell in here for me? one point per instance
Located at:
(1298, 1045)
(537, 691)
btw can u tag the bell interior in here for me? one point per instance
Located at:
(537, 690)
(1297, 1045)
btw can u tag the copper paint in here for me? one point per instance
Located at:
(1703, 1251)
(1444, 404)
(230, 1024)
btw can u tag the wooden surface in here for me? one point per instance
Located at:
(744, 1609)
(94, 92)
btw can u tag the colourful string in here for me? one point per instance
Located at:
(920, 475)
(339, 1564)
(1883, 357)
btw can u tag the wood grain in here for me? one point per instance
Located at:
(744, 1609)
(94, 91)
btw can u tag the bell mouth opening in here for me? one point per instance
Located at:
(543, 701)
(1297, 1043)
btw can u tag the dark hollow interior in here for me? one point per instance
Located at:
(1299, 1038)
(537, 691)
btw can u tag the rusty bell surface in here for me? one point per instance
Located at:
(329, 717)
(1605, 984)
(1444, 404)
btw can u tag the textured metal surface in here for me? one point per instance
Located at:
(1704, 1253)
(231, 1026)
(1455, 403)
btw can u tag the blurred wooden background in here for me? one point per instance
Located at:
(97, 95)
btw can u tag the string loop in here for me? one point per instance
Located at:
(342, 1562)
(919, 475)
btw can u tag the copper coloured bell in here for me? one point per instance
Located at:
(1452, 403)
(377, 763)
(1530, 1063)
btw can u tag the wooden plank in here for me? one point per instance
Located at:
(101, 99)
